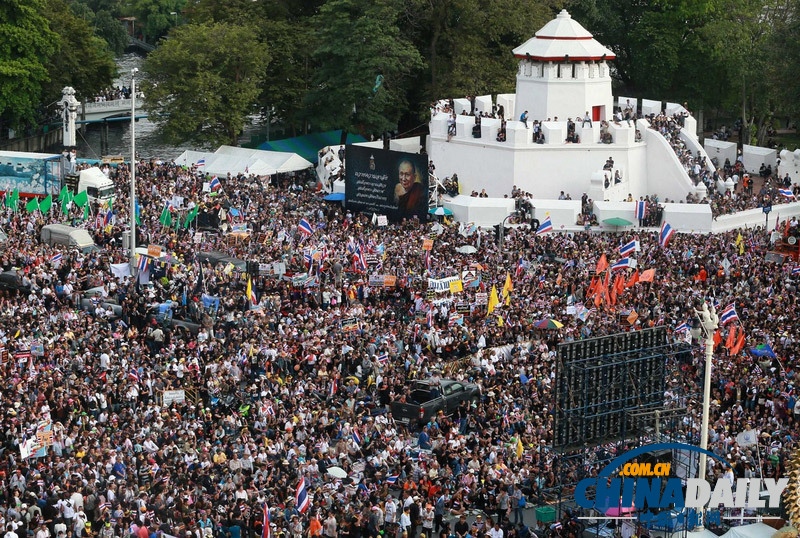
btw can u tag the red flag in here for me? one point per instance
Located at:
(591, 289)
(620, 284)
(731, 340)
(739, 344)
(633, 280)
(602, 264)
(717, 338)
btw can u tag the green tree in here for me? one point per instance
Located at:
(26, 42)
(203, 81)
(363, 66)
(81, 59)
(111, 30)
(467, 43)
(154, 17)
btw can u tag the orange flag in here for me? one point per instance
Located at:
(717, 338)
(739, 344)
(647, 276)
(620, 284)
(598, 298)
(633, 280)
(602, 264)
(731, 340)
(632, 317)
(590, 291)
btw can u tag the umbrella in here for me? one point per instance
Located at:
(337, 472)
(467, 249)
(440, 211)
(548, 324)
(617, 221)
(437, 228)
(335, 197)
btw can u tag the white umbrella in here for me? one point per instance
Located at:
(337, 472)
(467, 249)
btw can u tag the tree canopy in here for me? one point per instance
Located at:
(202, 83)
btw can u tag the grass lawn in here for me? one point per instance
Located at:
(789, 141)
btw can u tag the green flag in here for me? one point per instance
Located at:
(177, 222)
(165, 218)
(63, 193)
(14, 199)
(86, 211)
(46, 204)
(190, 216)
(138, 222)
(32, 205)
(9, 199)
(81, 198)
(65, 203)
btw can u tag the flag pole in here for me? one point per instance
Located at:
(133, 171)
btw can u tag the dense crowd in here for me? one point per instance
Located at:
(289, 383)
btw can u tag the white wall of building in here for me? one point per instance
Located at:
(545, 94)
(720, 150)
(665, 174)
(693, 218)
(790, 164)
(754, 156)
(755, 217)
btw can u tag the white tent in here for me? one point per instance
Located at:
(233, 160)
(756, 530)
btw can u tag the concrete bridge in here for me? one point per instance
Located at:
(111, 109)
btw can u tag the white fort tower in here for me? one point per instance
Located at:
(564, 73)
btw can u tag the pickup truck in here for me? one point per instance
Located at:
(428, 397)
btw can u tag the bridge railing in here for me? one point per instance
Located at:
(116, 103)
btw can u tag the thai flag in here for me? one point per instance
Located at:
(305, 227)
(104, 506)
(546, 226)
(786, 193)
(392, 479)
(301, 496)
(557, 525)
(265, 522)
(144, 264)
(541, 281)
(520, 268)
(624, 263)
(107, 217)
(428, 260)
(383, 358)
(215, 184)
(728, 314)
(430, 318)
(356, 438)
(270, 411)
(56, 258)
(333, 388)
(796, 270)
(665, 234)
(683, 327)
(640, 209)
(133, 374)
(628, 248)
(201, 162)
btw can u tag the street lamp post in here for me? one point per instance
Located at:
(709, 321)
(133, 170)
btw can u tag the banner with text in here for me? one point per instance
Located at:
(393, 183)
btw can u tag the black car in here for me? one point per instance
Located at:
(10, 280)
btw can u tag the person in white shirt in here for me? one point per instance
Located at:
(496, 531)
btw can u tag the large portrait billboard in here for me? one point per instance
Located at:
(385, 182)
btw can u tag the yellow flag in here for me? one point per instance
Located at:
(250, 295)
(740, 243)
(519, 447)
(499, 321)
(508, 287)
(493, 299)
